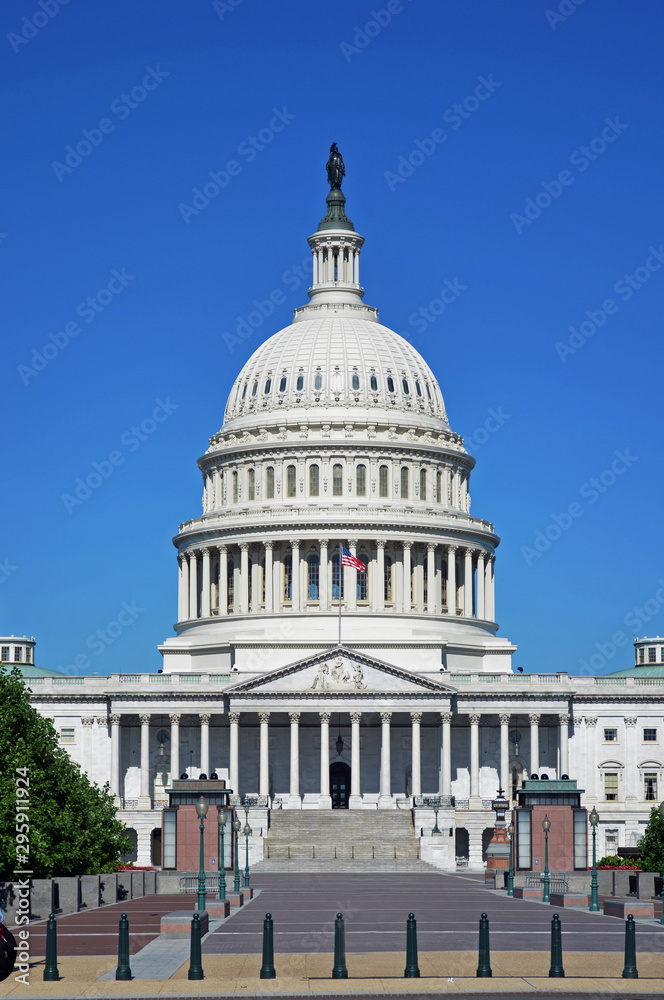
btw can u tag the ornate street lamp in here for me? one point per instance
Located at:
(201, 810)
(546, 826)
(594, 903)
(510, 875)
(236, 879)
(661, 810)
(436, 806)
(222, 817)
(247, 833)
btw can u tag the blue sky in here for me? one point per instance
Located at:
(539, 193)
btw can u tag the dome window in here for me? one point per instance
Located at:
(318, 381)
(282, 384)
(244, 391)
(337, 481)
(390, 384)
(423, 484)
(254, 388)
(299, 385)
(290, 481)
(383, 481)
(268, 386)
(337, 381)
(426, 386)
(373, 383)
(235, 488)
(406, 388)
(314, 480)
(269, 483)
(419, 388)
(404, 483)
(356, 382)
(361, 481)
(251, 485)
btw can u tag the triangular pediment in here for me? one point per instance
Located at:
(340, 671)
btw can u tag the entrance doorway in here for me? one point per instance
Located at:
(339, 785)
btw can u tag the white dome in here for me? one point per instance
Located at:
(336, 360)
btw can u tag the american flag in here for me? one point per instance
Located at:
(348, 559)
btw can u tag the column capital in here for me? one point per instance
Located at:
(87, 720)
(452, 548)
(145, 719)
(534, 719)
(475, 719)
(564, 718)
(295, 543)
(324, 716)
(591, 720)
(175, 718)
(416, 716)
(504, 719)
(431, 546)
(205, 550)
(233, 718)
(323, 543)
(269, 545)
(264, 716)
(352, 543)
(481, 554)
(222, 549)
(294, 717)
(192, 553)
(205, 718)
(445, 716)
(380, 543)
(355, 716)
(244, 546)
(101, 720)
(385, 716)
(468, 551)
(629, 721)
(407, 544)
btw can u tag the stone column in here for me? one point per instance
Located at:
(144, 801)
(323, 594)
(433, 600)
(416, 769)
(234, 751)
(475, 761)
(446, 754)
(175, 746)
(325, 800)
(115, 759)
(563, 737)
(264, 767)
(385, 799)
(419, 580)
(193, 584)
(255, 580)
(87, 722)
(451, 580)
(269, 600)
(205, 601)
(505, 754)
(481, 612)
(378, 593)
(406, 578)
(244, 578)
(183, 588)
(490, 601)
(355, 800)
(632, 794)
(294, 800)
(295, 574)
(223, 580)
(534, 743)
(468, 583)
(591, 758)
(205, 743)
(351, 579)
(217, 489)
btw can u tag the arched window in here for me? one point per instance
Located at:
(383, 481)
(373, 382)
(314, 481)
(361, 481)
(235, 488)
(362, 578)
(355, 382)
(404, 483)
(290, 481)
(439, 487)
(388, 580)
(251, 485)
(313, 569)
(244, 390)
(423, 484)
(426, 386)
(230, 583)
(318, 382)
(337, 481)
(269, 483)
(282, 384)
(299, 385)
(425, 582)
(443, 582)
(254, 389)
(268, 386)
(419, 388)
(404, 382)
(337, 579)
(288, 579)
(390, 384)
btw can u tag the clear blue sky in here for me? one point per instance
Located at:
(209, 77)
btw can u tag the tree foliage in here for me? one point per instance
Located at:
(73, 829)
(652, 843)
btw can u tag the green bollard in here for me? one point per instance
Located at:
(630, 971)
(339, 971)
(556, 971)
(412, 970)
(123, 971)
(267, 968)
(51, 974)
(484, 963)
(195, 967)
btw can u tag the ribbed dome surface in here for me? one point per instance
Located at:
(336, 360)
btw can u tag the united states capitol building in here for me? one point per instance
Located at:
(335, 433)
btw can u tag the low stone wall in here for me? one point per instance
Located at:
(72, 894)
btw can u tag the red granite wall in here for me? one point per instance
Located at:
(561, 838)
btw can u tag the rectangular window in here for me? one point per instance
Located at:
(269, 483)
(652, 654)
(383, 481)
(423, 484)
(580, 839)
(649, 735)
(523, 838)
(337, 580)
(642, 655)
(251, 485)
(611, 842)
(611, 786)
(610, 735)
(290, 481)
(650, 787)
(4, 654)
(235, 488)
(314, 481)
(404, 484)
(439, 487)
(67, 736)
(28, 654)
(361, 480)
(337, 481)
(18, 654)
(170, 838)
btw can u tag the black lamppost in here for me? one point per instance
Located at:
(594, 902)
(222, 817)
(236, 879)
(201, 810)
(510, 874)
(436, 806)
(546, 826)
(247, 833)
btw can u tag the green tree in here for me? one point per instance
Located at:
(652, 842)
(73, 829)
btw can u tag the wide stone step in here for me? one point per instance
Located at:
(360, 852)
(338, 866)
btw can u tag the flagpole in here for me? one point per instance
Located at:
(340, 579)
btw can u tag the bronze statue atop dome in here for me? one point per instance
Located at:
(335, 167)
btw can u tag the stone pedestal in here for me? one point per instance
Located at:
(177, 923)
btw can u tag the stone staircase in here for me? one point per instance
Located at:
(341, 840)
